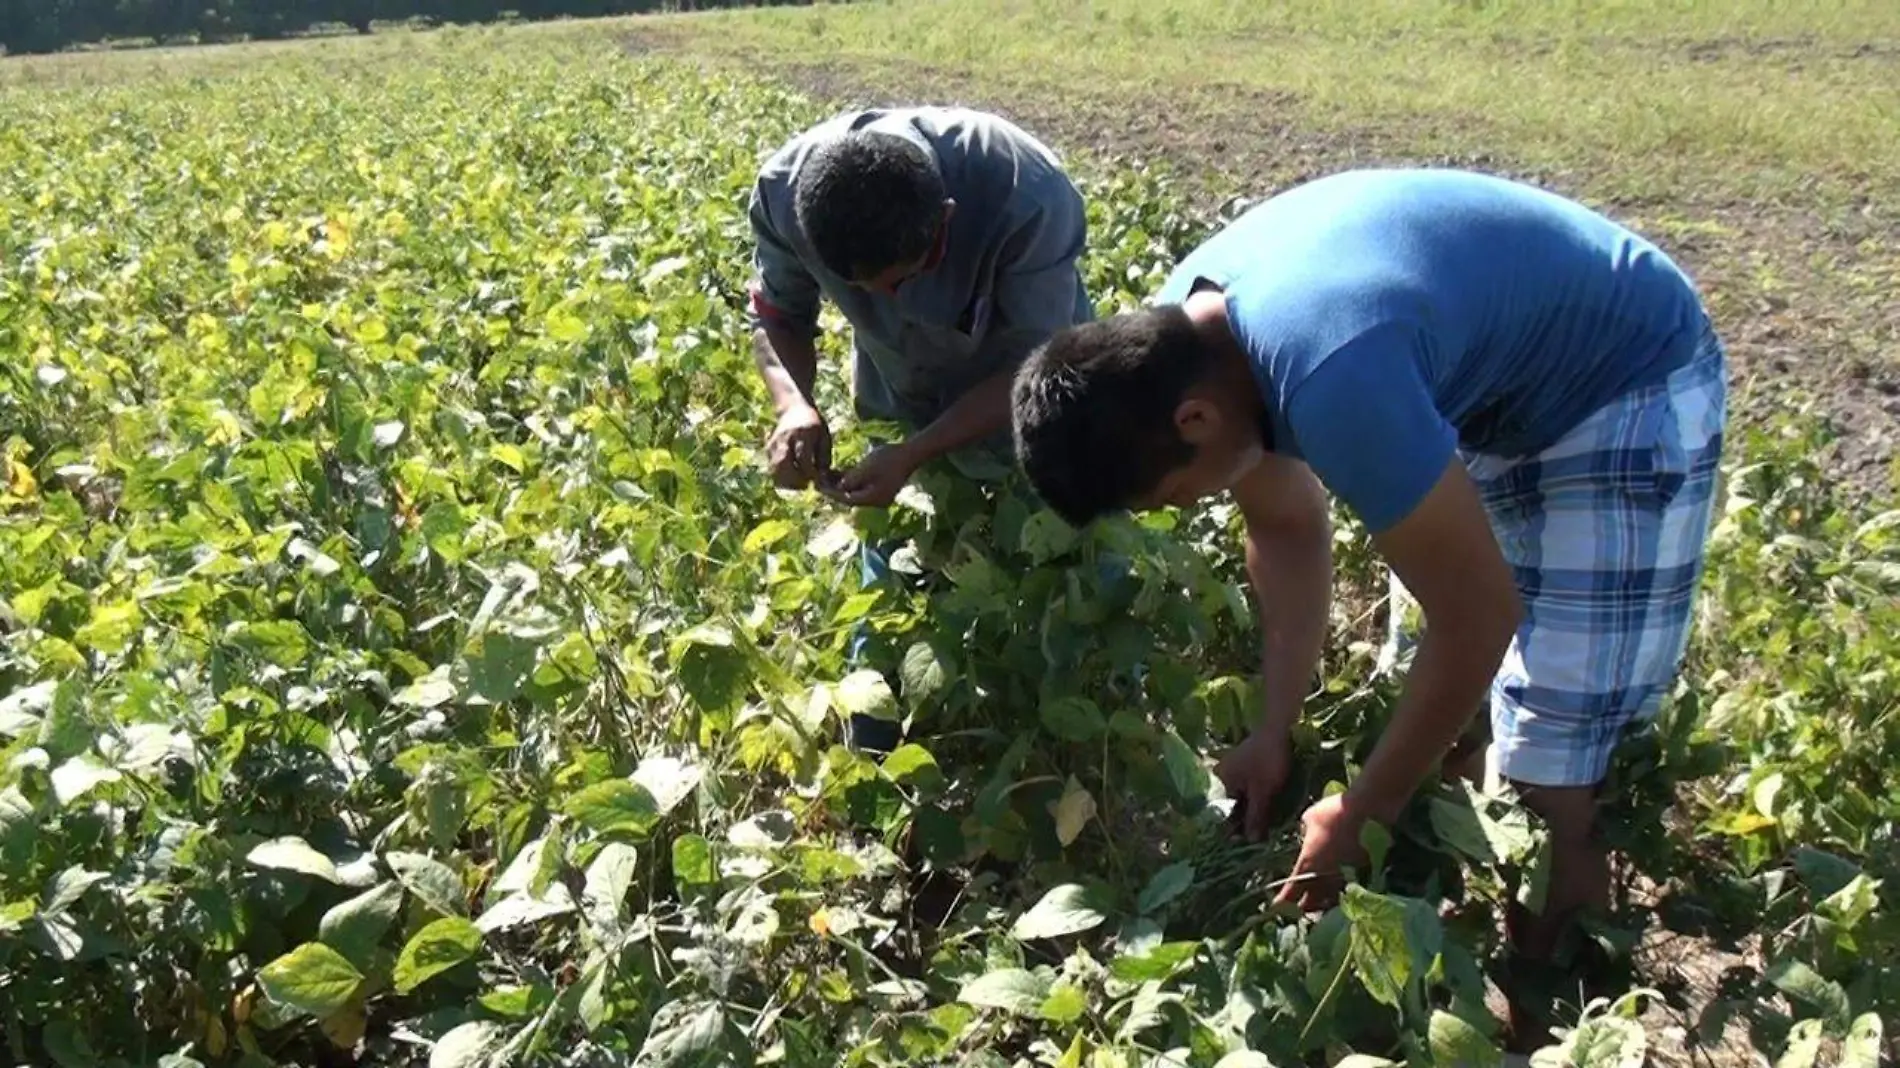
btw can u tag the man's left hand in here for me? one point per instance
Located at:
(1329, 841)
(877, 478)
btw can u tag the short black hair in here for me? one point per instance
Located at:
(1093, 409)
(868, 201)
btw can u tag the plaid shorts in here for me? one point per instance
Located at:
(1605, 532)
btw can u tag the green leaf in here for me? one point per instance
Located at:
(1168, 883)
(67, 888)
(354, 927)
(430, 691)
(518, 1002)
(78, 777)
(866, 693)
(765, 831)
(683, 1034)
(281, 642)
(1603, 1042)
(1824, 873)
(293, 854)
(1809, 988)
(693, 862)
(1046, 535)
(923, 674)
(66, 729)
(711, 667)
(609, 878)
(912, 765)
(313, 979)
(616, 806)
(69, 1044)
(435, 949)
(1185, 770)
(1074, 719)
(500, 664)
(1456, 1043)
(444, 529)
(1380, 957)
(469, 1045)
(668, 779)
(1066, 910)
(523, 907)
(430, 880)
(1009, 989)
(1158, 963)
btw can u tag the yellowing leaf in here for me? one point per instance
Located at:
(20, 480)
(564, 326)
(111, 627)
(345, 1027)
(509, 456)
(1072, 812)
(313, 979)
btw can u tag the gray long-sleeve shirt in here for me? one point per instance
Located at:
(1008, 279)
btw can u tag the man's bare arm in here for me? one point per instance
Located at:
(1290, 566)
(1446, 554)
(788, 361)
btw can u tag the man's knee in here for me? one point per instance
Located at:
(1569, 811)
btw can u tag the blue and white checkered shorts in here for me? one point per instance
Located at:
(1605, 531)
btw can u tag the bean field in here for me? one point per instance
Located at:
(404, 657)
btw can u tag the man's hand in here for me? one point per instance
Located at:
(1329, 841)
(1253, 773)
(874, 482)
(799, 450)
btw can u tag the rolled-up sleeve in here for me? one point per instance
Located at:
(783, 292)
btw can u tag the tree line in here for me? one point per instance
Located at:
(51, 25)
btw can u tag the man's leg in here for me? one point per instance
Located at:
(868, 734)
(1605, 531)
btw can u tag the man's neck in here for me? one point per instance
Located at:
(1233, 370)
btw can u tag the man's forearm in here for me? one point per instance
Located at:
(1293, 579)
(1454, 667)
(789, 364)
(979, 413)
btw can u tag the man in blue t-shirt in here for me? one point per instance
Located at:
(1521, 400)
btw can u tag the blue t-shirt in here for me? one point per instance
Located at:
(1396, 317)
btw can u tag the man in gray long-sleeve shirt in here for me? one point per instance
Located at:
(949, 240)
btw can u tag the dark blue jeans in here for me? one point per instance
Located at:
(868, 734)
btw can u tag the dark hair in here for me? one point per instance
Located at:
(869, 201)
(1093, 409)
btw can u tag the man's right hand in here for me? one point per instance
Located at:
(799, 450)
(1253, 773)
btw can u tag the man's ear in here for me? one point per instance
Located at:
(949, 210)
(1198, 420)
